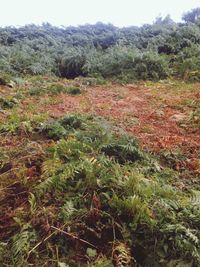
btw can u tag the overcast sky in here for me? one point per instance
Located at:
(76, 12)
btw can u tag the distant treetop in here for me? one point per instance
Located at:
(192, 16)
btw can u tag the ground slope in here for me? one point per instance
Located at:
(77, 190)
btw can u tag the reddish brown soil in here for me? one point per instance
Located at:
(152, 114)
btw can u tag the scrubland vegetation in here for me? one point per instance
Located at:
(99, 145)
(151, 52)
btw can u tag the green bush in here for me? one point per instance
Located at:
(8, 102)
(151, 66)
(128, 64)
(56, 89)
(129, 53)
(73, 90)
(36, 91)
(4, 79)
(59, 88)
(59, 129)
(71, 122)
(188, 63)
(123, 150)
(72, 62)
(53, 130)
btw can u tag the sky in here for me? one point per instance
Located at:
(77, 12)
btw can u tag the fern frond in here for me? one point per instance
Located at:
(67, 210)
(195, 197)
(122, 255)
(123, 150)
(61, 178)
(33, 203)
(21, 244)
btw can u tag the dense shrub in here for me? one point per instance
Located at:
(128, 62)
(188, 63)
(103, 50)
(150, 66)
(72, 62)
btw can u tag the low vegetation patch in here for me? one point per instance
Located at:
(73, 91)
(53, 89)
(99, 200)
(193, 119)
(8, 102)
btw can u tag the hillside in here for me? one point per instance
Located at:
(100, 145)
(99, 175)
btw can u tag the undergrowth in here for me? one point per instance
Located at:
(53, 89)
(8, 102)
(99, 200)
(59, 88)
(193, 119)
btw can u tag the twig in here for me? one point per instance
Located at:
(114, 233)
(57, 255)
(10, 170)
(20, 193)
(73, 236)
(46, 238)
(37, 245)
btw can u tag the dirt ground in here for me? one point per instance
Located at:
(155, 114)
